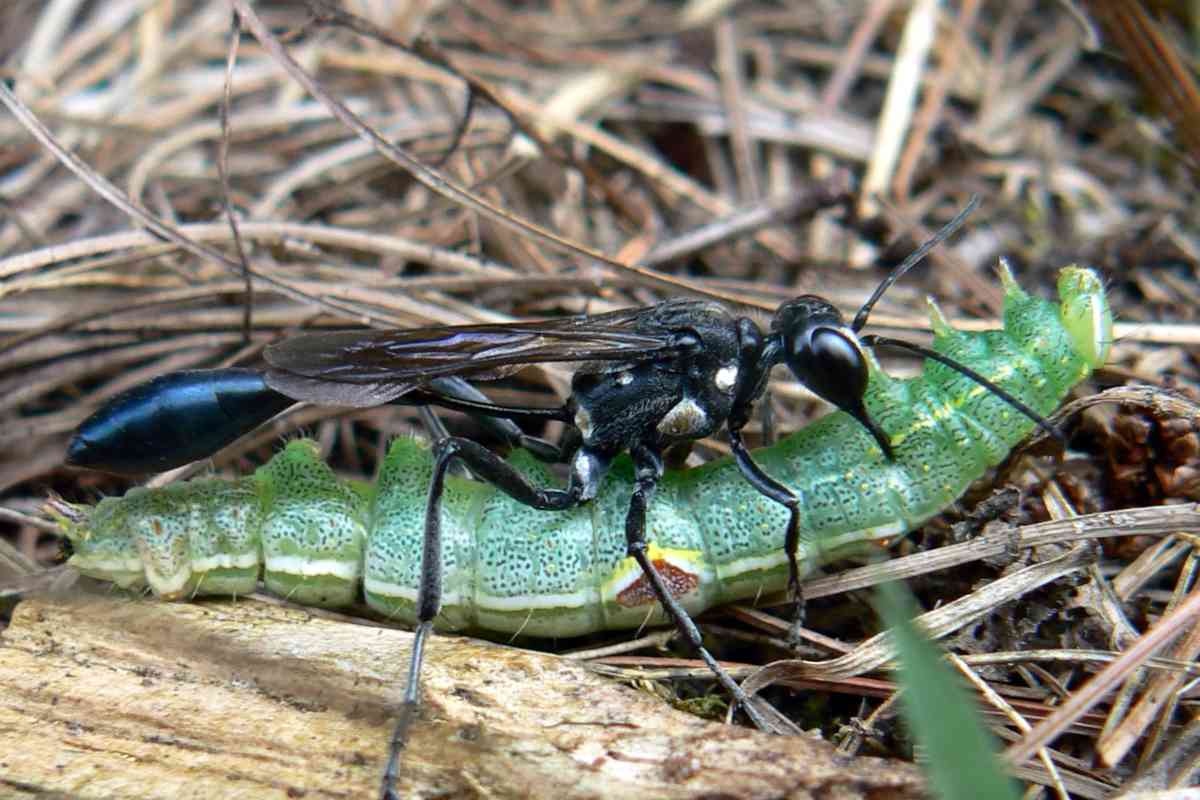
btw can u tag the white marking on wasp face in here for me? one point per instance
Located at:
(685, 419)
(583, 421)
(625, 378)
(726, 377)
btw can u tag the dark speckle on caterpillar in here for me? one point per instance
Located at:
(506, 567)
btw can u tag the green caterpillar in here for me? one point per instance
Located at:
(318, 540)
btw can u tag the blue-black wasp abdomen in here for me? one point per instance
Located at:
(173, 420)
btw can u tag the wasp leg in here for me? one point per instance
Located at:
(776, 491)
(488, 467)
(753, 350)
(648, 466)
(434, 425)
(457, 394)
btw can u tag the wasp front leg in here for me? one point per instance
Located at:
(757, 356)
(648, 468)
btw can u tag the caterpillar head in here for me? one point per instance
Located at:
(1085, 313)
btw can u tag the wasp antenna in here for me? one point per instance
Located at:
(860, 319)
(963, 369)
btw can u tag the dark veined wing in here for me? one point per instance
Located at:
(368, 368)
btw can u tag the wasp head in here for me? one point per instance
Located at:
(825, 354)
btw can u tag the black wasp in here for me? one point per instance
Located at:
(645, 379)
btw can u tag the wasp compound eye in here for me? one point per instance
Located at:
(838, 352)
(831, 364)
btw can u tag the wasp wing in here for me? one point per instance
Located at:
(369, 368)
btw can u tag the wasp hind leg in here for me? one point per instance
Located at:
(456, 393)
(487, 467)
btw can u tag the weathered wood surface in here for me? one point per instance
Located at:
(108, 697)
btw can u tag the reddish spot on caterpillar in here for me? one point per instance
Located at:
(639, 593)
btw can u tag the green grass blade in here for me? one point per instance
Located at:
(961, 760)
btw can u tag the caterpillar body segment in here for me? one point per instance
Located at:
(507, 567)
